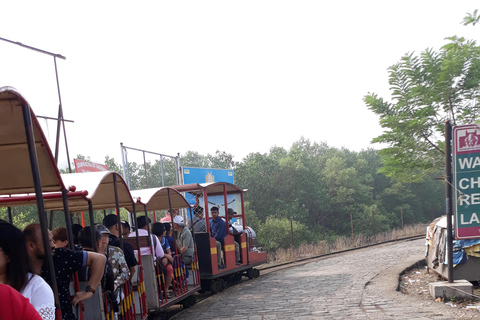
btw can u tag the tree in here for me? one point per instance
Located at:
(471, 18)
(427, 89)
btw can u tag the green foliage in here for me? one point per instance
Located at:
(276, 233)
(471, 18)
(427, 89)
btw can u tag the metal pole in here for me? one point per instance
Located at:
(57, 140)
(68, 218)
(373, 220)
(145, 169)
(125, 177)
(351, 225)
(117, 206)
(291, 229)
(32, 151)
(448, 195)
(161, 170)
(92, 225)
(401, 215)
(178, 172)
(10, 217)
(60, 118)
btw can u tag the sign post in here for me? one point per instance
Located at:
(466, 159)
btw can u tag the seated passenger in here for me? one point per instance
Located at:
(168, 217)
(60, 237)
(169, 236)
(199, 224)
(142, 223)
(125, 228)
(116, 258)
(110, 221)
(76, 228)
(15, 272)
(13, 306)
(85, 273)
(218, 231)
(158, 229)
(69, 261)
(234, 232)
(185, 246)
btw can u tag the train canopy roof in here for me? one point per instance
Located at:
(15, 170)
(100, 190)
(157, 199)
(213, 188)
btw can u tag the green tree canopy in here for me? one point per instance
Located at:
(427, 90)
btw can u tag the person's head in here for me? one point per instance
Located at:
(168, 228)
(111, 223)
(14, 261)
(142, 222)
(60, 237)
(86, 237)
(158, 229)
(103, 242)
(33, 238)
(214, 212)
(125, 228)
(230, 213)
(75, 231)
(198, 211)
(178, 223)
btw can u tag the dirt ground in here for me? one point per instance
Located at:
(415, 284)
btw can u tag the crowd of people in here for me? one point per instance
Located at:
(96, 257)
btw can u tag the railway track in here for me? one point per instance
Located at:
(175, 311)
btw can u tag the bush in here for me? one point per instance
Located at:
(277, 233)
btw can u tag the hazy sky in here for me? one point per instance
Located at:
(234, 76)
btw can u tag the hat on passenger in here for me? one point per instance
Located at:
(142, 222)
(102, 229)
(110, 220)
(179, 220)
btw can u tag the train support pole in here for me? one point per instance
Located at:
(448, 195)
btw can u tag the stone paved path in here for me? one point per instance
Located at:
(356, 285)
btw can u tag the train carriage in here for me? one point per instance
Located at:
(224, 196)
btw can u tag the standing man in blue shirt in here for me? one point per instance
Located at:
(218, 230)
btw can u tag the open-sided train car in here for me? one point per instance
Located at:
(185, 283)
(31, 177)
(224, 196)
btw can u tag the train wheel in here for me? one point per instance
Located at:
(250, 273)
(205, 286)
(237, 277)
(221, 285)
(214, 287)
(256, 273)
(158, 316)
(188, 302)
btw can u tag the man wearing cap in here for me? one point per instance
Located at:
(184, 240)
(110, 222)
(143, 223)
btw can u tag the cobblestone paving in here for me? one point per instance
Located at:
(349, 286)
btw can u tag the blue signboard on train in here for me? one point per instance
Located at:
(203, 175)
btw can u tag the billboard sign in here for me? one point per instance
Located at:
(87, 166)
(203, 175)
(466, 159)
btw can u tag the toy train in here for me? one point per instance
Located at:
(30, 177)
